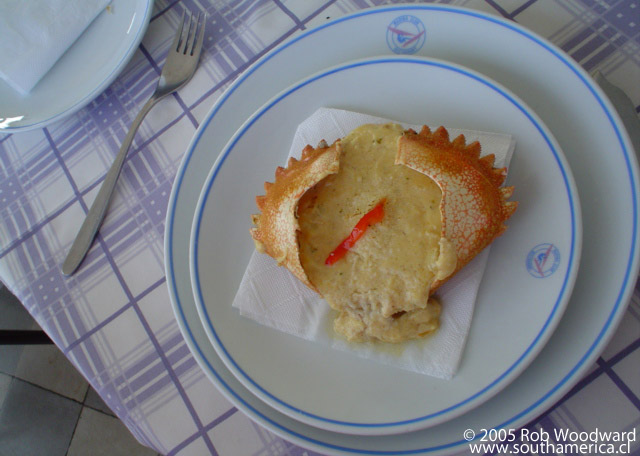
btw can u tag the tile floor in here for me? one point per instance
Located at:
(46, 407)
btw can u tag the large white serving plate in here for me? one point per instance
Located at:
(518, 305)
(87, 68)
(579, 116)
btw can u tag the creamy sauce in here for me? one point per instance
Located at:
(381, 287)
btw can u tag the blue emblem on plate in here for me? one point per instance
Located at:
(543, 260)
(406, 35)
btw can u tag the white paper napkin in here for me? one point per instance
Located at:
(272, 296)
(35, 33)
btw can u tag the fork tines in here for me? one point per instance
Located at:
(190, 37)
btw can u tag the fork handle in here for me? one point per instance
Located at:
(95, 216)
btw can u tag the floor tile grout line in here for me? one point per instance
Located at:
(103, 412)
(42, 388)
(48, 390)
(86, 393)
(82, 403)
(75, 427)
(78, 421)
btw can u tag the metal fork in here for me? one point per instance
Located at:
(181, 63)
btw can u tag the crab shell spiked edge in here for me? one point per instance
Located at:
(473, 206)
(276, 227)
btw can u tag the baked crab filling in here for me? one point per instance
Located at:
(371, 240)
(378, 220)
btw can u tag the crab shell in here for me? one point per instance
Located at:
(473, 206)
(276, 227)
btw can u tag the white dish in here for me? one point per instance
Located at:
(516, 311)
(87, 68)
(579, 116)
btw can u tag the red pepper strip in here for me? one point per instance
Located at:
(370, 218)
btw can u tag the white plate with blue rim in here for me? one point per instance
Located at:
(516, 310)
(578, 115)
(85, 70)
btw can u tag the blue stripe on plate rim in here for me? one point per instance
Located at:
(571, 264)
(564, 383)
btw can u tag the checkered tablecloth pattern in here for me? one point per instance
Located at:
(113, 318)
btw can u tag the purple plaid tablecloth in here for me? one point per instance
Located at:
(113, 319)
